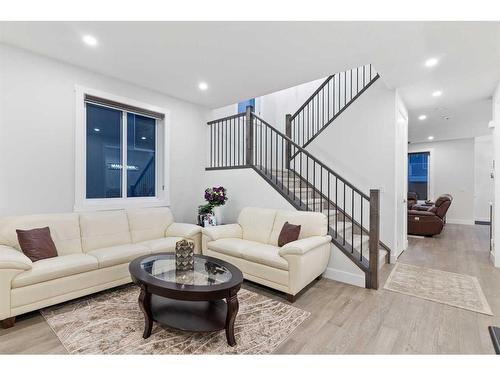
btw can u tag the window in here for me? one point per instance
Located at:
(141, 151)
(104, 154)
(418, 174)
(121, 161)
(242, 106)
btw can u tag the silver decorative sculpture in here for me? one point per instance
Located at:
(184, 255)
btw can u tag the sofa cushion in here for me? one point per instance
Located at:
(257, 223)
(36, 243)
(104, 229)
(111, 256)
(149, 223)
(311, 224)
(165, 244)
(267, 255)
(64, 230)
(289, 233)
(231, 246)
(55, 268)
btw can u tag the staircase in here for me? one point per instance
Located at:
(247, 141)
(328, 102)
(303, 196)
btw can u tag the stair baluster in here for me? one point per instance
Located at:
(301, 181)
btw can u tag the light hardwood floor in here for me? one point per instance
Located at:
(347, 319)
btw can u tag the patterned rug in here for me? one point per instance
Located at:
(112, 323)
(449, 288)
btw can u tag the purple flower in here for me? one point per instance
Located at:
(216, 195)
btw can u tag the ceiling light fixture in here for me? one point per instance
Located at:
(143, 138)
(429, 63)
(437, 93)
(203, 86)
(430, 138)
(97, 129)
(90, 40)
(422, 117)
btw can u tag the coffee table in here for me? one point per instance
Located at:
(202, 300)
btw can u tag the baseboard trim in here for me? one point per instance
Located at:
(482, 222)
(344, 277)
(460, 221)
(492, 259)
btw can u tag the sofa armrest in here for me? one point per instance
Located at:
(223, 231)
(182, 230)
(417, 207)
(304, 245)
(12, 259)
(421, 213)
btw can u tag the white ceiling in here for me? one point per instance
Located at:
(451, 121)
(240, 60)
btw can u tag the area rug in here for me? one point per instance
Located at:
(449, 288)
(112, 323)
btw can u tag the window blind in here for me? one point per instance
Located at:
(124, 107)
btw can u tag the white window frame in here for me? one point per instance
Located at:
(162, 157)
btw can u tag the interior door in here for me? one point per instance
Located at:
(401, 181)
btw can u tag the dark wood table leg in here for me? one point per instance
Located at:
(8, 323)
(232, 310)
(145, 305)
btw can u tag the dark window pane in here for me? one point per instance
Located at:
(418, 173)
(141, 146)
(104, 154)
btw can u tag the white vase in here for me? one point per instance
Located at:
(218, 214)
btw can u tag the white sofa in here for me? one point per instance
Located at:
(252, 245)
(94, 251)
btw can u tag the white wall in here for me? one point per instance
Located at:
(401, 177)
(244, 188)
(274, 106)
(483, 183)
(495, 254)
(37, 135)
(451, 171)
(361, 147)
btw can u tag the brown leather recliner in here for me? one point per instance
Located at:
(425, 221)
(412, 199)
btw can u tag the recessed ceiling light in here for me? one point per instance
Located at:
(422, 117)
(89, 40)
(437, 93)
(143, 138)
(203, 86)
(430, 138)
(97, 129)
(431, 62)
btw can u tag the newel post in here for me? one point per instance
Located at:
(249, 135)
(371, 280)
(288, 132)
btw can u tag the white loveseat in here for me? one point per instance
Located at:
(252, 245)
(94, 251)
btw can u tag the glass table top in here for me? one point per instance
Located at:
(205, 272)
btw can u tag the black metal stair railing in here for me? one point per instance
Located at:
(247, 141)
(329, 100)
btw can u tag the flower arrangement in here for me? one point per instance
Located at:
(216, 196)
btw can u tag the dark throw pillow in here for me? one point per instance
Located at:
(37, 243)
(289, 233)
